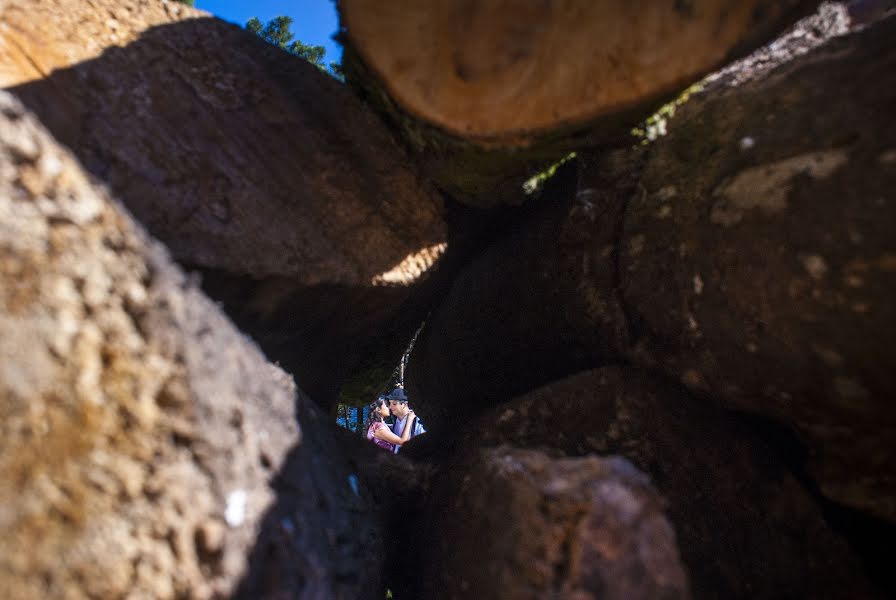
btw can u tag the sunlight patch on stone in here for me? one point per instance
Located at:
(412, 267)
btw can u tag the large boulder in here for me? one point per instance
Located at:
(141, 432)
(487, 94)
(248, 163)
(513, 523)
(748, 254)
(745, 526)
(556, 65)
(235, 154)
(766, 277)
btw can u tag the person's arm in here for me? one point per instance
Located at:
(408, 427)
(383, 432)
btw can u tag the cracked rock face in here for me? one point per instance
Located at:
(139, 427)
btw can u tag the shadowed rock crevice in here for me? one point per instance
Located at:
(357, 335)
(329, 544)
(454, 364)
(865, 533)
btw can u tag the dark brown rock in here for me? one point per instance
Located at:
(766, 277)
(233, 153)
(537, 304)
(745, 527)
(748, 254)
(510, 523)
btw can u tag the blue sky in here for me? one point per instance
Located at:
(314, 21)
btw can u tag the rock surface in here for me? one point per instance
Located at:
(140, 430)
(766, 278)
(743, 262)
(745, 526)
(233, 153)
(308, 222)
(510, 523)
(575, 75)
(747, 254)
(556, 65)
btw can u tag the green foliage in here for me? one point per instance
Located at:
(277, 32)
(187, 2)
(536, 182)
(655, 125)
(254, 25)
(313, 54)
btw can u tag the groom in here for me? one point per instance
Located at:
(398, 404)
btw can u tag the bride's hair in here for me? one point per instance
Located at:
(373, 415)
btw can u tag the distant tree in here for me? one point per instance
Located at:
(313, 54)
(254, 25)
(277, 32)
(188, 2)
(336, 71)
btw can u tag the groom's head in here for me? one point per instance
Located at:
(398, 403)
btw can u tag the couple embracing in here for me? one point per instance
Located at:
(406, 424)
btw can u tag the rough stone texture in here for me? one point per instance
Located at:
(140, 429)
(745, 527)
(489, 172)
(233, 153)
(555, 64)
(767, 277)
(327, 536)
(307, 221)
(510, 523)
(748, 254)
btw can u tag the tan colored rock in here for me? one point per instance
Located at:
(140, 430)
(503, 70)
